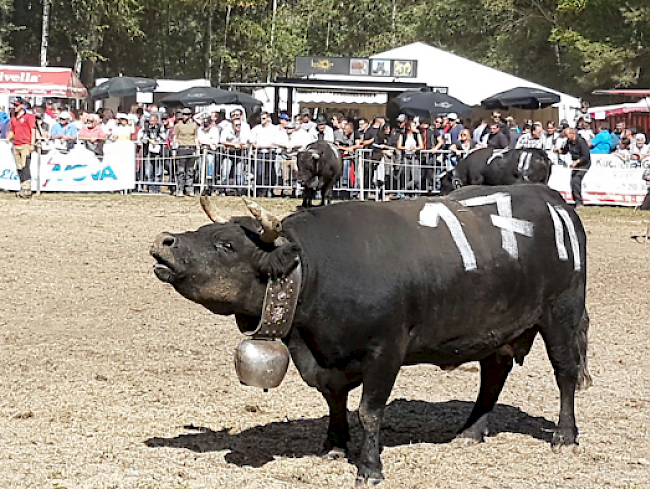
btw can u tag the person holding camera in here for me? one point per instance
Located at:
(152, 138)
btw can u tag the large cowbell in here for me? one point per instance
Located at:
(261, 363)
(262, 360)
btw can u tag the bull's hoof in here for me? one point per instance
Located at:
(465, 441)
(565, 438)
(474, 434)
(368, 481)
(335, 453)
(368, 477)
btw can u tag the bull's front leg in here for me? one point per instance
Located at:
(334, 385)
(327, 190)
(338, 431)
(379, 376)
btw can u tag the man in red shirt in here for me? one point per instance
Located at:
(22, 132)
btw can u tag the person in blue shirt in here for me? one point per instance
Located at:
(63, 133)
(4, 124)
(602, 143)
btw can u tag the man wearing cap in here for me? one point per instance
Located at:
(322, 132)
(22, 131)
(455, 128)
(63, 133)
(187, 145)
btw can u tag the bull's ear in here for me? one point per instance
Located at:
(278, 262)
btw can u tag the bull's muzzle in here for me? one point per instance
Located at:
(161, 252)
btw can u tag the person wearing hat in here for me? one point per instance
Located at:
(186, 143)
(322, 132)
(455, 128)
(22, 131)
(63, 133)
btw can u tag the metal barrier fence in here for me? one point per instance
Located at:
(273, 172)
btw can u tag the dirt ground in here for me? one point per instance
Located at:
(110, 379)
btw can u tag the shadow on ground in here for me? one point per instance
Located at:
(405, 422)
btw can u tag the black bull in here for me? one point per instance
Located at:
(470, 277)
(486, 167)
(319, 167)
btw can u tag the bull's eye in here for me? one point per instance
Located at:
(224, 246)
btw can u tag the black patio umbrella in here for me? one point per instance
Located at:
(123, 86)
(208, 95)
(522, 98)
(426, 105)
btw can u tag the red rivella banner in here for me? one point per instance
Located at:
(40, 82)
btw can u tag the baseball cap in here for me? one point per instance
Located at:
(120, 115)
(284, 117)
(291, 125)
(65, 115)
(452, 116)
(304, 112)
(401, 118)
(186, 111)
(18, 101)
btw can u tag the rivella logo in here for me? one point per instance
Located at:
(19, 77)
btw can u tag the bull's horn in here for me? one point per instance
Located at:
(271, 224)
(209, 210)
(314, 154)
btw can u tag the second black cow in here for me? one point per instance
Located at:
(489, 167)
(319, 167)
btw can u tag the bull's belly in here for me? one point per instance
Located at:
(454, 344)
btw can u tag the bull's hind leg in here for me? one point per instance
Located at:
(494, 372)
(566, 350)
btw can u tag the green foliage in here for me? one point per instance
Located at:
(572, 45)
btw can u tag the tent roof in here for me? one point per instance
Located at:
(642, 105)
(467, 80)
(40, 82)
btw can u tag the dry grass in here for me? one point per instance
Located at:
(112, 380)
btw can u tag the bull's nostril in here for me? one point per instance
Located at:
(168, 241)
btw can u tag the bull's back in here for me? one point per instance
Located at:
(486, 259)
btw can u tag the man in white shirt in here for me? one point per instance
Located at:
(293, 141)
(209, 138)
(322, 132)
(265, 138)
(640, 150)
(235, 147)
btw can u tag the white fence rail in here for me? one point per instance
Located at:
(264, 173)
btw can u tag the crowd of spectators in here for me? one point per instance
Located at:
(404, 154)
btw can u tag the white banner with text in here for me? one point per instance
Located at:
(609, 181)
(78, 170)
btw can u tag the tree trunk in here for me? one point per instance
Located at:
(45, 37)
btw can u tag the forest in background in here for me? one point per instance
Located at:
(574, 46)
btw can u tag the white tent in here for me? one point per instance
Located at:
(466, 80)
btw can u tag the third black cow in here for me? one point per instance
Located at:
(489, 167)
(319, 167)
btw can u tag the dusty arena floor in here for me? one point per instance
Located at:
(110, 379)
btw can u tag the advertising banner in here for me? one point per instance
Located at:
(609, 181)
(79, 170)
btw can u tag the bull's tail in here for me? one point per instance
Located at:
(584, 378)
